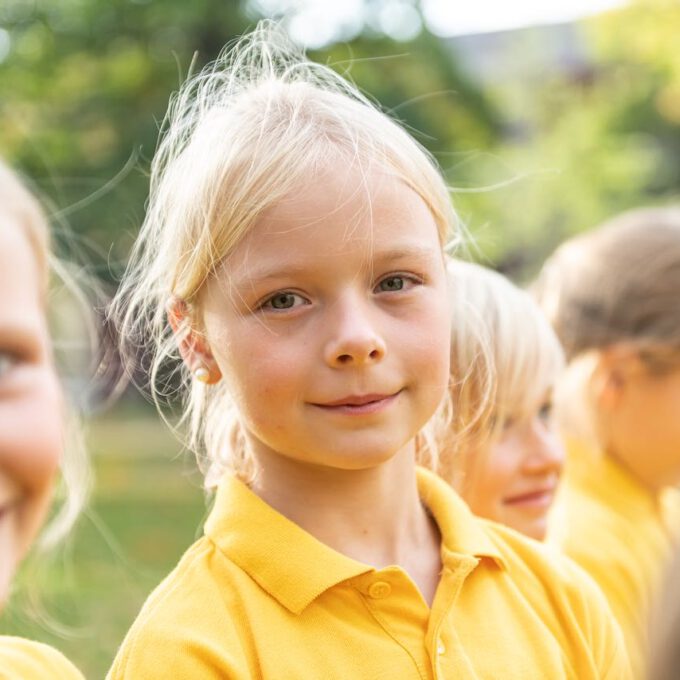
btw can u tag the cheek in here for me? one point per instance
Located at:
(32, 434)
(500, 470)
(428, 339)
(653, 413)
(263, 374)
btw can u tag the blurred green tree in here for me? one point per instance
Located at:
(85, 84)
(594, 138)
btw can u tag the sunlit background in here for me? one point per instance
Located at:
(546, 117)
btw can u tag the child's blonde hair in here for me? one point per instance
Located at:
(504, 359)
(26, 213)
(616, 285)
(238, 137)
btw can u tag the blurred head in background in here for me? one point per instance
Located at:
(613, 297)
(502, 453)
(32, 415)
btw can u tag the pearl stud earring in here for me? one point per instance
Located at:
(202, 374)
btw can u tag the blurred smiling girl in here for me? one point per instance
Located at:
(502, 452)
(32, 417)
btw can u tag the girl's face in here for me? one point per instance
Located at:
(642, 420)
(329, 322)
(30, 403)
(514, 481)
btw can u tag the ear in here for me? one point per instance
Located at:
(192, 345)
(616, 366)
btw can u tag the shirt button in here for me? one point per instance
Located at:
(379, 589)
(441, 648)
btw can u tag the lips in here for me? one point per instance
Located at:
(538, 498)
(357, 400)
(359, 404)
(5, 508)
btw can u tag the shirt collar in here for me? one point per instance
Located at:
(295, 568)
(463, 534)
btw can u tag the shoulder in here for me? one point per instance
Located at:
(596, 531)
(178, 625)
(565, 597)
(22, 659)
(536, 562)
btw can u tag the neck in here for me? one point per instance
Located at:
(645, 478)
(373, 516)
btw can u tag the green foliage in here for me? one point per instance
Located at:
(84, 86)
(594, 140)
(536, 156)
(86, 83)
(418, 82)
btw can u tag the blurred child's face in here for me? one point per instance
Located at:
(30, 403)
(329, 322)
(642, 421)
(514, 481)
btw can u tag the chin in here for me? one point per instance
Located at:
(362, 452)
(535, 531)
(359, 460)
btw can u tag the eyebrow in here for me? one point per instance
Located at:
(276, 271)
(15, 336)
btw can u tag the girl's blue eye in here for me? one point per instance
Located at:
(283, 301)
(545, 412)
(509, 423)
(391, 284)
(7, 362)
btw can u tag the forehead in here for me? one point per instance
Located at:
(340, 214)
(20, 282)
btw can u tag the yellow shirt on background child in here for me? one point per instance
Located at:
(22, 659)
(258, 597)
(621, 534)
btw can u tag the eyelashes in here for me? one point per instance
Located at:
(394, 283)
(283, 301)
(546, 411)
(8, 360)
(288, 300)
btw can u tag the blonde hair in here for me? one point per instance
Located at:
(616, 285)
(21, 206)
(504, 358)
(237, 138)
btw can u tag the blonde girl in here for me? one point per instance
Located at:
(293, 256)
(32, 427)
(502, 453)
(613, 296)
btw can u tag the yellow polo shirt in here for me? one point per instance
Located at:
(22, 659)
(620, 533)
(258, 597)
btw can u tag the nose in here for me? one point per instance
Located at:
(354, 339)
(545, 453)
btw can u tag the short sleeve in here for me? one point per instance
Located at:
(22, 659)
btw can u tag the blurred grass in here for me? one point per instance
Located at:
(147, 508)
